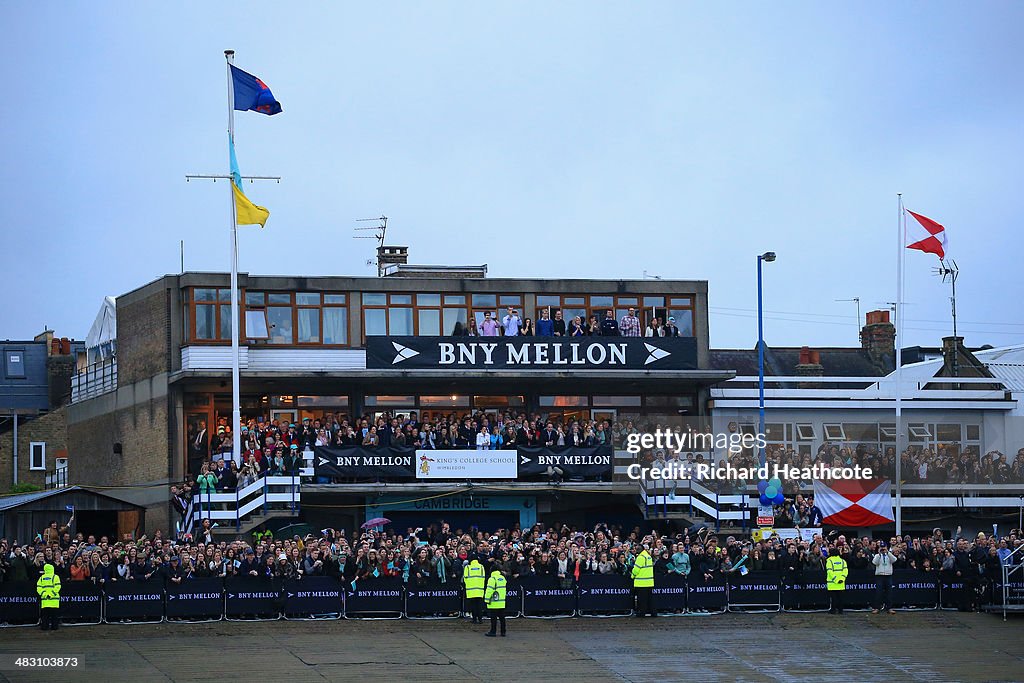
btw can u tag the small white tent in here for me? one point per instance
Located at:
(101, 342)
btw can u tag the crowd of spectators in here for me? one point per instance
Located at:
(437, 555)
(548, 325)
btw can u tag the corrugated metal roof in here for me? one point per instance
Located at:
(1012, 374)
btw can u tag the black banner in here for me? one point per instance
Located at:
(374, 596)
(860, 589)
(81, 601)
(755, 589)
(195, 598)
(357, 462)
(531, 353)
(912, 588)
(313, 595)
(513, 598)
(806, 590)
(951, 592)
(574, 462)
(251, 596)
(19, 603)
(543, 595)
(134, 600)
(711, 595)
(604, 593)
(669, 594)
(437, 599)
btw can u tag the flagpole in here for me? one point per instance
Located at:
(900, 239)
(236, 400)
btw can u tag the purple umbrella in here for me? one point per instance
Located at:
(376, 521)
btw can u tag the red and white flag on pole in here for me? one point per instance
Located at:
(926, 235)
(854, 502)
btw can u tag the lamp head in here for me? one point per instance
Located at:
(768, 256)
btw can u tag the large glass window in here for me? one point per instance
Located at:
(335, 325)
(375, 321)
(280, 319)
(309, 326)
(429, 321)
(400, 321)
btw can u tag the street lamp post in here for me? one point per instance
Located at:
(768, 256)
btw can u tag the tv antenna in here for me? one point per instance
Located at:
(651, 276)
(380, 232)
(856, 300)
(948, 269)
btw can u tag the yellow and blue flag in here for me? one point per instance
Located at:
(252, 94)
(246, 213)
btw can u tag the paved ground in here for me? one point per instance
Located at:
(919, 646)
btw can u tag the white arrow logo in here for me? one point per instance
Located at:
(323, 461)
(655, 354)
(523, 460)
(403, 353)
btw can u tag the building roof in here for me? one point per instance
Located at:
(782, 362)
(19, 499)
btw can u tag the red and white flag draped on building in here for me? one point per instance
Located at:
(926, 235)
(854, 502)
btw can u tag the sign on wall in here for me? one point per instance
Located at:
(466, 464)
(531, 353)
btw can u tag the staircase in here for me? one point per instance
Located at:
(694, 503)
(237, 514)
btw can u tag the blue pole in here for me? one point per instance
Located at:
(760, 362)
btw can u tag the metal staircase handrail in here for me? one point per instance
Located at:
(236, 506)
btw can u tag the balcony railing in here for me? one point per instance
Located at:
(94, 380)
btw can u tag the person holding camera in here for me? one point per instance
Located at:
(883, 561)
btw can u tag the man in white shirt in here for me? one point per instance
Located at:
(489, 327)
(511, 322)
(883, 561)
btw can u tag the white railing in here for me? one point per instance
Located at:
(743, 388)
(57, 479)
(266, 495)
(1011, 567)
(662, 496)
(94, 380)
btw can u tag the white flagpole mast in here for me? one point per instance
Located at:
(236, 399)
(900, 246)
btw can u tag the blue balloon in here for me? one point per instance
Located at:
(765, 500)
(776, 482)
(771, 491)
(780, 499)
(761, 486)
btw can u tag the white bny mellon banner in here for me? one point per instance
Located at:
(466, 464)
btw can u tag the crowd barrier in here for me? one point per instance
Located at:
(249, 598)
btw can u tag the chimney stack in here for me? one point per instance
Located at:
(391, 256)
(810, 364)
(878, 338)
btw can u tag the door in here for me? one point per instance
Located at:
(128, 525)
(602, 414)
(287, 416)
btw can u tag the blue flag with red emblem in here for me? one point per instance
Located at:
(253, 94)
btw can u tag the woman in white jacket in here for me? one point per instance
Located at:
(883, 561)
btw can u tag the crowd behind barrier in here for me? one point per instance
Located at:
(557, 571)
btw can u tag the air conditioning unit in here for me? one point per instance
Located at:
(61, 463)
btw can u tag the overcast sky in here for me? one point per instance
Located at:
(584, 140)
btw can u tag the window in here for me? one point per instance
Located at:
(14, 364)
(888, 432)
(37, 452)
(947, 433)
(616, 401)
(974, 432)
(450, 401)
(920, 432)
(669, 401)
(805, 432)
(208, 315)
(834, 432)
(563, 401)
(304, 318)
(861, 432)
(382, 401)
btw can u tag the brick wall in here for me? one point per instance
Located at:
(51, 429)
(142, 432)
(143, 337)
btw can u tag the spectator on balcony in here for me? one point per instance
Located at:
(545, 326)
(558, 324)
(206, 481)
(655, 329)
(483, 439)
(629, 326)
(229, 480)
(527, 329)
(199, 447)
(371, 440)
(511, 323)
(495, 439)
(609, 327)
(592, 327)
(488, 326)
(670, 328)
(577, 328)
